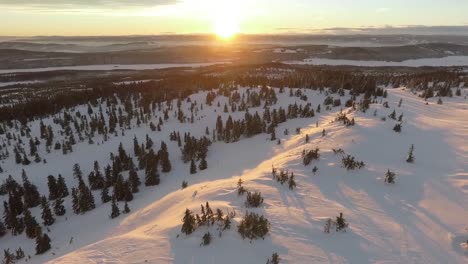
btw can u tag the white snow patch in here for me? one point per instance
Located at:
(435, 62)
(3, 84)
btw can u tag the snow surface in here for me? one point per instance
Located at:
(3, 84)
(420, 219)
(283, 50)
(108, 67)
(435, 62)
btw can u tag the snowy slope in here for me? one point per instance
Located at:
(420, 219)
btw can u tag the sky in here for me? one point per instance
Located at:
(145, 17)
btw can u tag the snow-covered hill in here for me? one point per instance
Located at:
(419, 219)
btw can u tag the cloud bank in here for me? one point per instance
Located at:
(401, 30)
(79, 4)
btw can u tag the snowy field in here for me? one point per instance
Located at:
(434, 62)
(109, 67)
(420, 219)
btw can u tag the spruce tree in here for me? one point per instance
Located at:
(206, 239)
(274, 259)
(42, 242)
(134, 180)
(19, 253)
(30, 224)
(59, 209)
(291, 182)
(152, 177)
(341, 224)
(53, 187)
(410, 158)
(105, 197)
(31, 194)
(188, 225)
(397, 128)
(46, 214)
(62, 188)
(115, 209)
(8, 258)
(126, 208)
(128, 195)
(164, 157)
(273, 135)
(75, 201)
(390, 177)
(203, 164)
(184, 184)
(2, 229)
(193, 167)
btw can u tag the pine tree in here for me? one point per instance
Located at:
(8, 258)
(203, 164)
(59, 209)
(164, 158)
(31, 195)
(105, 197)
(53, 187)
(126, 208)
(390, 177)
(152, 177)
(26, 161)
(77, 171)
(291, 182)
(193, 167)
(19, 253)
(410, 158)
(134, 180)
(274, 259)
(184, 184)
(46, 214)
(42, 242)
(206, 239)
(188, 225)
(115, 210)
(397, 128)
(273, 135)
(62, 188)
(341, 224)
(30, 224)
(2, 229)
(75, 201)
(128, 195)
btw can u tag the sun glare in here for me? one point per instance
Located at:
(225, 20)
(226, 28)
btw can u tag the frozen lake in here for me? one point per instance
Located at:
(109, 67)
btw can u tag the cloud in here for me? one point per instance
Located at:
(382, 10)
(401, 30)
(83, 4)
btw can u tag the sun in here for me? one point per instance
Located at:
(225, 27)
(225, 19)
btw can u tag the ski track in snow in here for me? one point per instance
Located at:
(420, 219)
